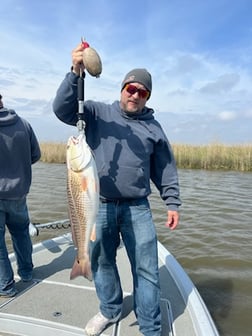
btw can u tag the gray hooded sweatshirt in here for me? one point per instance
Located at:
(130, 149)
(19, 149)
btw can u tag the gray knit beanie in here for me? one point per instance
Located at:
(141, 76)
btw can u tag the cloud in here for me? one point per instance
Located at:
(248, 113)
(222, 84)
(187, 64)
(198, 55)
(227, 115)
(192, 129)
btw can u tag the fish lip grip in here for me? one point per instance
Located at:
(91, 59)
(93, 65)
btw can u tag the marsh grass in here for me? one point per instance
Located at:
(215, 156)
(53, 152)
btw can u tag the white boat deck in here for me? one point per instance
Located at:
(52, 304)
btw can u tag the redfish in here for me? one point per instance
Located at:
(83, 201)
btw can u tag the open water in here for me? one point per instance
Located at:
(212, 242)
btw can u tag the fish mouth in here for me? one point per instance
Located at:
(73, 140)
(78, 153)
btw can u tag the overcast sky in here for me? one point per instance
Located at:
(198, 52)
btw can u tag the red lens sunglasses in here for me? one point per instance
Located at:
(132, 89)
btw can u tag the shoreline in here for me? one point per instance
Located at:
(215, 156)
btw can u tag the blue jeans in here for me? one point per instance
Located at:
(14, 215)
(133, 220)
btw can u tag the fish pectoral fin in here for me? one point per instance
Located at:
(81, 267)
(93, 234)
(84, 183)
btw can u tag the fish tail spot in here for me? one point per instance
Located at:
(81, 267)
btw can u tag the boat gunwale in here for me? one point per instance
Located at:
(200, 316)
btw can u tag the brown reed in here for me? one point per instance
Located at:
(53, 152)
(215, 156)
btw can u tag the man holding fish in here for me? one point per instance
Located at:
(130, 150)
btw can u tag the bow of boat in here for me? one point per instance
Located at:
(52, 304)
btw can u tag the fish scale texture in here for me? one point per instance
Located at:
(83, 199)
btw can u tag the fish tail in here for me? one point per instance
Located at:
(81, 267)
